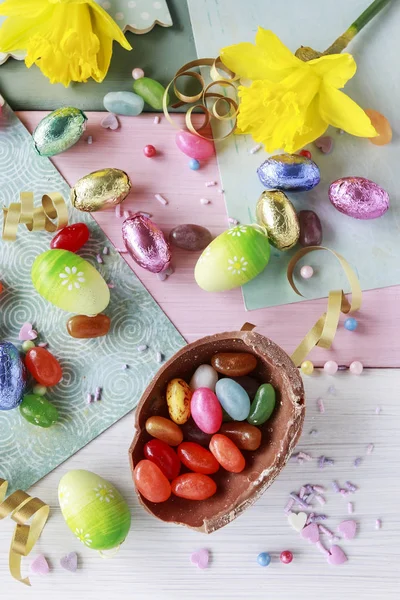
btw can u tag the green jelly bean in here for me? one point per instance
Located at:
(151, 91)
(263, 405)
(38, 410)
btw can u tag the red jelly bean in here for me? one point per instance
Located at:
(164, 457)
(227, 453)
(305, 153)
(197, 459)
(194, 486)
(71, 238)
(43, 366)
(151, 482)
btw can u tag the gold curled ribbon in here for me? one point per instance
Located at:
(199, 100)
(324, 330)
(22, 508)
(36, 219)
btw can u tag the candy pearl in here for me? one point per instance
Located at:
(149, 151)
(351, 324)
(39, 390)
(356, 368)
(194, 164)
(286, 557)
(382, 127)
(137, 73)
(306, 272)
(307, 367)
(330, 367)
(305, 153)
(27, 345)
(263, 559)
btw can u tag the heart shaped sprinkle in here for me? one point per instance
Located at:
(325, 144)
(311, 533)
(347, 529)
(110, 121)
(297, 520)
(70, 562)
(27, 333)
(336, 556)
(200, 558)
(40, 566)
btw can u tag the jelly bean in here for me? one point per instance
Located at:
(37, 410)
(123, 103)
(190, 237)
(250, 384)
(263, 405)
(179, 395)
(233, 398)
(192, 433)
(310, 228)
(305, 153)
(206, 410)
(165, 430)
(234, 364)
(244, 435)
(382, 127)
(204, 376)
(43, 366)
(151, 91)
(164, 457)
(194, 486)
(227, 453)
(71, 238)
(151, 481)
(193, 145)
(84, 327)
(197, 459)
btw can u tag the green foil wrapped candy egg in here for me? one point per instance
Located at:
(277, 215)
(101, 189)
(232, 259)
(60, 130)
(94, 510)
(70, 282)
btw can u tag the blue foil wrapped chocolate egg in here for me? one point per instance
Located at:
(289, 172)
(12, 376)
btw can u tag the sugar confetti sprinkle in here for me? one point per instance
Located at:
(162, 276)
(352, 488)
(205, 201)
(289, 506)
(161, 199)
(350, 508)
(378, 410)
(159, 357)
(370, 448)
(255, 149)
(378, 524)
(320, 499)
(319, 489)
(326, 531)
(221, 191)
(106, 250)
(156, 120)
(320, 405)
(118, 212)
(142, 348)
(210, 183)
(357, 461)
(121, 250)
(322, 548)
(335, 487)
(43, 344)
(89, 398)
(305, 456)
(98, 393)
(99, 259)
(233, 221)
(299, 501)
(90, 139)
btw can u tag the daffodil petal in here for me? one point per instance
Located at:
(16, 32)
(334, 69)
(22, 8)
(109, 25)
(279, 57)
(339, 110)
(314, 126)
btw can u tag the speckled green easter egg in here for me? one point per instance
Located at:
(94, 510)
(232, 259)
(70, 282)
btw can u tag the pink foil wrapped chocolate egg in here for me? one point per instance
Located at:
(358, 197)
(146, 243)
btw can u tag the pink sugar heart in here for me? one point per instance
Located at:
(310, 533)
(40, 566)
(27, 333)
(70, 562)
(347, 529)
(325, 144)
(201, 558)
(110, 121)
(336, 556)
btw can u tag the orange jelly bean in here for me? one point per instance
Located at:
(43, 366)
(165, 430)
(227, 453)
(194, 486)
(382, 127)
(197, 459)
(151, 482)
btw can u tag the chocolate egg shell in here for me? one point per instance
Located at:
(60, 130)
(289, 172)
(100, 190)
(277, 215)
(358, 197)
(146, 243)
(279, 435)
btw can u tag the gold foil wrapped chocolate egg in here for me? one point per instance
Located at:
(277, 215)
(101, 189)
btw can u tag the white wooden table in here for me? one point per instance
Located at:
(153, 563)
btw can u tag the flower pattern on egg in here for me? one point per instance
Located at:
(237, 231)
(237, 265)
(71, 277)
(63, 496)
(103, 493)
(83, 537)
(205, 254)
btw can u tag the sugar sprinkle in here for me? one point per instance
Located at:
(255, 149)
(210, 183)
(305, 456)
(378, 410)
(118, 212)
(221, 191)
(161, 199)
(335, 487)
(144, 214)
(162, 276)
(159, 357)
(378, 524)
(299, 501)
(322, 548)
(106, 250)
(99, 259)
(320, 499)
(357, 461)
(142, 348)
(370, 448)
(326, 531)
(352, 488)
(43, 344)
(127, 214)
(125, 367)
(156, 120)
(89, 398)
(98, 393)
(289, 506)
(350, 508)
(121, 250)
(318, 488)
(233, 221)
(90, 139)
(205, 201)
(320, 405)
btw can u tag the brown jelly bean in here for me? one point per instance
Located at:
(234, 364)
(84, 327)
(165, 430)
(244, 435)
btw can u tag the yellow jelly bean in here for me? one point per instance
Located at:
(179, 395)
(307, 367)
(382, 127)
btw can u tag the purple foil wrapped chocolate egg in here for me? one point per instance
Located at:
(146, 243)
(358, 197)
(289, 172)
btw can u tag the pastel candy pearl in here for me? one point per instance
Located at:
(307, 367)
(123, 103)
(206, 410)
(194, 146)
(13, 376)
(330, 367)
(356, 368)
(358, 197)
(306, 272)
(233, 398)
(137, 73)
(289, 172)
(351, 324)
(204, 377)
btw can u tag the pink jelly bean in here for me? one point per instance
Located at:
(193, 145)
(206, 410)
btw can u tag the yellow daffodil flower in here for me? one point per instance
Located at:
(69, 40)
(290, 103)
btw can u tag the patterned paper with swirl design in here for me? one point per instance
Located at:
(27, 453)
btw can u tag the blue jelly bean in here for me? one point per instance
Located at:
(351, 324)
(263, 559)
(194, 164)
(233, 398)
